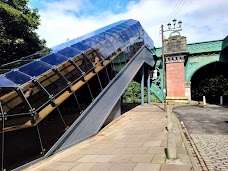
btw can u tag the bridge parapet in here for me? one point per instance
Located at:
(225, 43)
(204, 47)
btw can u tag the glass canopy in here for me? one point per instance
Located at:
(106, 40)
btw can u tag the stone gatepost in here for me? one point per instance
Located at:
(175, 53)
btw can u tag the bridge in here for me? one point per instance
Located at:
(200, 55)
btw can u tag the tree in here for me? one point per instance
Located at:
(17, 30)
(213, 85)
(133, 93)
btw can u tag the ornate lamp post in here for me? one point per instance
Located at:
(173, 28)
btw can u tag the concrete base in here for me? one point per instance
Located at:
(177, 100)
(174, 161)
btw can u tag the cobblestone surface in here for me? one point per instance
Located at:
(213, 149)
(208, 129)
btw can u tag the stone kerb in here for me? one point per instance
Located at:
(171, 144)
(188, 148)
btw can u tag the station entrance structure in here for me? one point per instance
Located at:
(112, 56)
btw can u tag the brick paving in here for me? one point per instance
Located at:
(135, 141)
(213, 149)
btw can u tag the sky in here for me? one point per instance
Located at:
(62, 20)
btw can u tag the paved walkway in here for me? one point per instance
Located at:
(135, 141)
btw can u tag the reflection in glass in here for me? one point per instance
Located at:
(81, 46)
(4, 82)
(35, 68)
(69, 52)
(17, 77)
(54, 59)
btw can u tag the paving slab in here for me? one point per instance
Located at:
(137, 140)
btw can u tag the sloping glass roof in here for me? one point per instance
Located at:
(106, 40)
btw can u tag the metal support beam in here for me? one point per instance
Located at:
(148, 86)
(116, 112)
(142, 85)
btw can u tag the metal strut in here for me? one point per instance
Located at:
(99, 81)
(62, 118)
(41, 144)
(107, 74)
(119, 61)
(90, 91)
(42, 88)
(78, 103)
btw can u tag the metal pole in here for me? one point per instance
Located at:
(78, 103)
(99, 80)
(41, 144)
(204, 101)
(142, 86)
(163, 68)
(148, 86)
(221, 100)
(62, 118)
(107, 73)
(90, 91)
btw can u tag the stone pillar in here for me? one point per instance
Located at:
(175, 79)
(175, 52)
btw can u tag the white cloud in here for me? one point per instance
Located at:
(202, 20)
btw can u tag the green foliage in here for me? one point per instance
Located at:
(133, 94)
(213, 85)
(17, 30)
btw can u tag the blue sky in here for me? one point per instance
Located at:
(92, 7)
(67, 19)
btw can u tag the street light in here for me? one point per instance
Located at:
(172, 29)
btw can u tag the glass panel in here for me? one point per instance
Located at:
(4, 82)
(119, 36)
(106, 35)
(69, 52)
(94, 57)
(108, 49)
(122, 26)
(17, 77)
(83, 63)
(135, 28)
(13, 103)
(124, 35)
(35, 68)
(91, 42)
(53, 83)
(36, 96)
(71, 72)
(97, 38)
(80, 46)
(115, 42)
(87, 42)
(132, 29)
(79, 39)
(54, 59)
(128, 31)
(138, 26)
